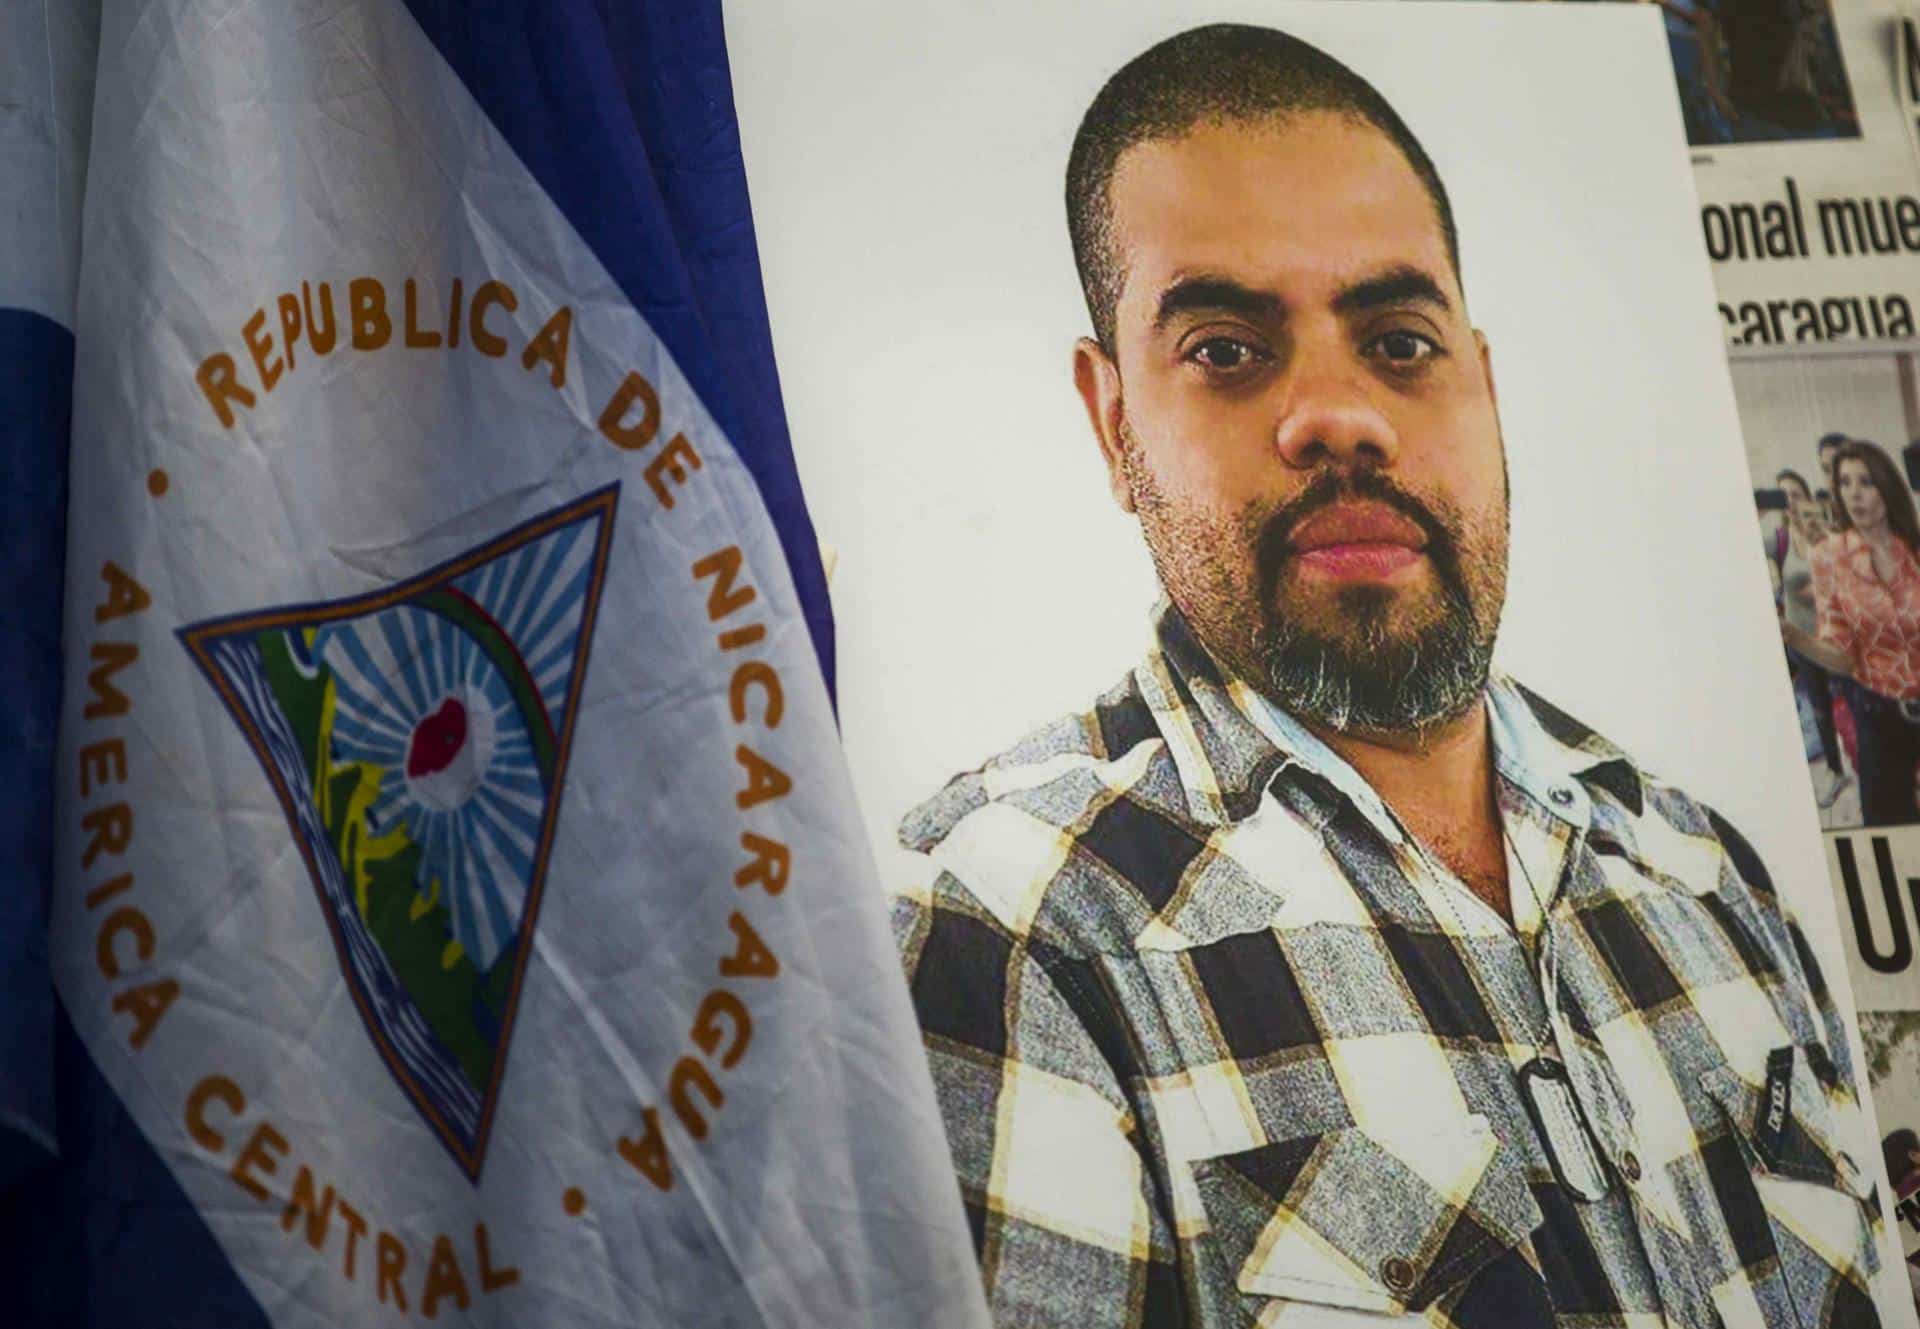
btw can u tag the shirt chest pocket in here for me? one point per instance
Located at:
(1341, 1218)
(1789, 1191)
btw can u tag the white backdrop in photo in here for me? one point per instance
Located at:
(1787, 405)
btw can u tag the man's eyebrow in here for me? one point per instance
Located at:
(1395, 286)
(1214, 294)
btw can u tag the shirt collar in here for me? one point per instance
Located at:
(1224, 759)
(1857, 554)
(1532, 759)
(1229, 743)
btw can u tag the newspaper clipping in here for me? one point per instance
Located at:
(1803, 155)
(1833, 443)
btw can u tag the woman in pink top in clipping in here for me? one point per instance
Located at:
(1866, 586)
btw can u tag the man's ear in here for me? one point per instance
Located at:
(1486, 365)
(1097, 379)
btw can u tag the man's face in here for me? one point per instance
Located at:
(1303, 419)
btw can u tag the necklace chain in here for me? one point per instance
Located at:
(1440, 877)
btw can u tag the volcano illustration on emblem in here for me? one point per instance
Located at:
(417, 739)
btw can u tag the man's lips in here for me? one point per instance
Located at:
(1363, 523)
(1357, 540)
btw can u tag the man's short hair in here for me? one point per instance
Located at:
(1222, 73)
(1830, 441)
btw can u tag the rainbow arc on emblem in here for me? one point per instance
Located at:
(417, 739)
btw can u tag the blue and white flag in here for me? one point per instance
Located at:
(458, 909)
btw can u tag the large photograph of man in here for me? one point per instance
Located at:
(1355, 857)
(1318, 966)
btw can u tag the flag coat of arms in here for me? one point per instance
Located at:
(457, 907)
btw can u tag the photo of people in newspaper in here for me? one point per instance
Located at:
(1892, 1042)
(1842, 545)
(1831, 445)
(1759, 70)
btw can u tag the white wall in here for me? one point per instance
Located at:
(1786, 405)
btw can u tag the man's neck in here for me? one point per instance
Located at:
(1439, 783)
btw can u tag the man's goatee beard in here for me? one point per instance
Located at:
(1373, 681)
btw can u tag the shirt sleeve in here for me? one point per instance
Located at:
(1062, 1203)
(1832, 624)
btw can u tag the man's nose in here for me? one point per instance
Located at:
(1330, 414)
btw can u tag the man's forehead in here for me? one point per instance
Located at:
(1303, 195)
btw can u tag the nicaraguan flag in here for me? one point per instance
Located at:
(457, 909)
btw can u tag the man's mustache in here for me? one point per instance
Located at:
(1275, 544)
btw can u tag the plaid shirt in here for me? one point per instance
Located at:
(1217, 1043)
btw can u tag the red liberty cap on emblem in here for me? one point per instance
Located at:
(437, 740)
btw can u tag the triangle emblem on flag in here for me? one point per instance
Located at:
(417, 739)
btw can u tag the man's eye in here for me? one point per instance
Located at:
(1404, 349)
(1224, 354)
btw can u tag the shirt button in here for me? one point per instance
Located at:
(1630, 1165)
(1397, 1274)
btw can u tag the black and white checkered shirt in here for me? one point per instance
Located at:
(1217, 1043)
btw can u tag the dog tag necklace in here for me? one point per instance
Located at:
(1545, 1085)
(1546, 1089)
